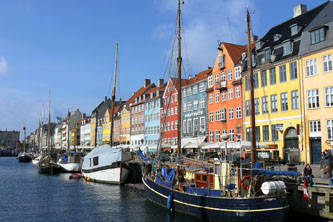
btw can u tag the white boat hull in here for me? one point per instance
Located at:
(70, 167)
(35, 162)
(113, 175)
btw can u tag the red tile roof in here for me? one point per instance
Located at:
(138, 93)
(198, 77)
(235, 51)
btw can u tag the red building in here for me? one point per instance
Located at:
(169, 113)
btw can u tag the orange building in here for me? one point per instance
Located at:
(224, 99)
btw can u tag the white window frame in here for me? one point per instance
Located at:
(217, 97)
(238, 73)
(230, 74)
(238, 112)
(329, 96)
(210, 81)
(230, 93)
(238, 92)
(313, 99)
(311, 67)
(327, 63)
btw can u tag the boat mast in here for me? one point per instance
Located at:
(24, 138)
(67, 130)
(179, 66)
(249, 51)
(49, 129)
(113, 96)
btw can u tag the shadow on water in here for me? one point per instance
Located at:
(28, 196)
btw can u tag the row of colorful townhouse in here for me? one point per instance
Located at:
(293, 90)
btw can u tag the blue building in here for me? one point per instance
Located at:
(152, 116)
(194, 110)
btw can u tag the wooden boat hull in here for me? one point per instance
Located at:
(272, 208)
(24, 159)
(50, 169)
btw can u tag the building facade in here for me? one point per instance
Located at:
(194, 112)
(9, 138)
(224, 95)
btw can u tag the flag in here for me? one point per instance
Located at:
(306, 195)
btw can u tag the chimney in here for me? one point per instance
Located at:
(299, 10)
(209, 67)
(147, 82)
(160, 82)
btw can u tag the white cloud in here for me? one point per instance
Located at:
(205, 23)
(3, 66)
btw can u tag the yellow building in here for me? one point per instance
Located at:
(106, 127)
(125, 125)
(93, 131)
(316, 52)
(278, 92)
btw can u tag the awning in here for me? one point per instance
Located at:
(193, 142)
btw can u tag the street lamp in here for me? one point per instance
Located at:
(225, 137)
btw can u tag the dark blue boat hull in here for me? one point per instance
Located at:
(271, 208)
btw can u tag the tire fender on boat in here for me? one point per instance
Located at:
(245, 182)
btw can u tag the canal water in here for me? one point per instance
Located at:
(25, 195)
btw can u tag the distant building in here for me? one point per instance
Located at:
(9, 138)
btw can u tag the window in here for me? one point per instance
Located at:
(230, 74)
(238, 137)
(256, 106)
(189, 106)
(185, 107)
(210, 98)
(329, 96)
(202, 124)
(248, 134)
(238, 112)
(263, 78)
(195, 105)
(327, 63)
(195, 90)
(248, 108)
(184, 126)
(217, 97)
(231, 135)
(211, 136)
(329, 127)
(247, 83)
(176, 96)
(275, 133)
(231, 113)
(286, 48)
(95, 161)
(171, 111)
(176, 109)
(294, 29)
(264, 102)
(294, 100)
(293, 70)
(218, 115)
(176, 124)
(202, 87)
(314, 126)
(211, 117)
(224, 132)
(274, 106)
(223, 95)
(265, 133)
(189, 126)
(237, 72)
(195, 125)
(222, 76)
(223, 114)
(238, 92)
(257, 129)
(311, 67)
(210, 81)
(283, 73)
(272, 76)
(171, 125)
(230, 93)
(284, 101)
(217, 135)
(202, 103)
(317, 35)
(313, 98)
(216, 78)
(168, 126)
(189, 91)
(255, 81)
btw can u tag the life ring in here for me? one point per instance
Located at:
(245, 182)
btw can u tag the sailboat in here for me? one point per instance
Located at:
(46, 165)
(24, 156)
(226, 191)
(105, 163)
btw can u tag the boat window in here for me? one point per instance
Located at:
(95, 160)
(90, 161)
(204, 177)
(198, 177)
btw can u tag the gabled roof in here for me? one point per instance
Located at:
(284, 28)
(234, 51)
(198, 77)
(154, 90)
(138, 93)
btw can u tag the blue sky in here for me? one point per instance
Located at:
(68, 47)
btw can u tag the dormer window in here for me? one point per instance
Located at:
(277, 37)
(286, 48)
(294, 29)
(258, 44)
(221, 61)
(318, 35)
